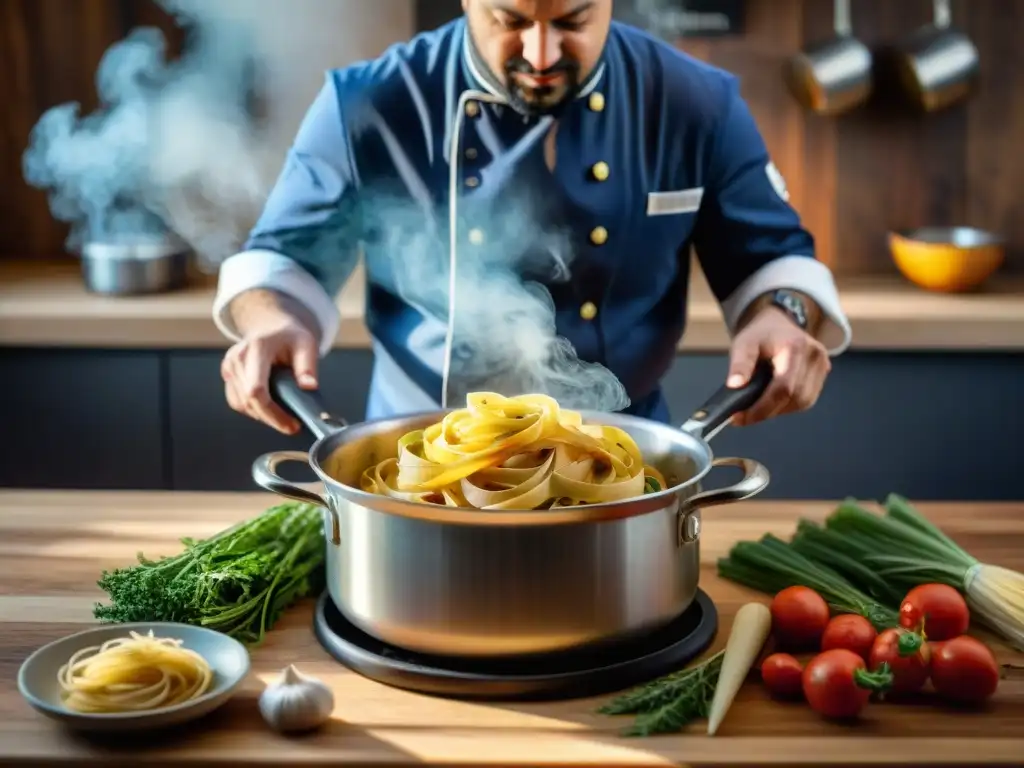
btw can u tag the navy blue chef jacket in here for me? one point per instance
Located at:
(658, 153)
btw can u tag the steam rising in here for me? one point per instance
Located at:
(504, 332)
(172, 147)
(176, 147)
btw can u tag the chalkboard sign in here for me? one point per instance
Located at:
(669, 19)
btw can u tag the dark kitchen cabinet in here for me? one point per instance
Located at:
(928, 425)
(86, 419)
(212, 448)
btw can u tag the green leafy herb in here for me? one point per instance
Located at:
(237, 582)
(671, 702)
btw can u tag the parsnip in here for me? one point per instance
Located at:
(750, 630)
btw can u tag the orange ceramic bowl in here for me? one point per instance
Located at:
(947, 259)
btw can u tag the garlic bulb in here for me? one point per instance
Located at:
(296, 702)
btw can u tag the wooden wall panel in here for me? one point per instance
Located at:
(49, 54)
(49, 51)
(896, 169)
(853, 178)
(995, 123)
(882, 167)
(820, 140)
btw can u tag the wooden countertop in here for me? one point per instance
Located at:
(53, 546)
(46, 305)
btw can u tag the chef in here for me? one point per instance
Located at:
(634, 150)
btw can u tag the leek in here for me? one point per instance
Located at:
(902, 549)
(771, 565)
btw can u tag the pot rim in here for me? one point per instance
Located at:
(134, 247)
(611, 510)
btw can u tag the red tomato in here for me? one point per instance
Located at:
(908, 657)
(936, 647)
(799, 617)
(964, 670)
(837, 683)
(782, 675)
(940, 608)
(849, 631)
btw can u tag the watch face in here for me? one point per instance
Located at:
(793, 305)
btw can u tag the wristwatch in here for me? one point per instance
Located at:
(792, 305)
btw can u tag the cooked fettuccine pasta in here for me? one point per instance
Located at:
(519, 452)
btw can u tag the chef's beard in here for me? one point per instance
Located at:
(530, 102)
(537, 102)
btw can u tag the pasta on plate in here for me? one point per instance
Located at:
(134, 673)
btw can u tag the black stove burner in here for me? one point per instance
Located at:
(561, 675)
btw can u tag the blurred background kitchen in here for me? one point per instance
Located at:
(109, 359)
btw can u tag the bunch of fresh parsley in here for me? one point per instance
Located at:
(237, 582)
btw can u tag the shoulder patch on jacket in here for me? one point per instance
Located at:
(775, 179)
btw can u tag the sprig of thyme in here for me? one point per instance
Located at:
(671, 702)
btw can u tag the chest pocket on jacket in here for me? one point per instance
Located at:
(661, 229)
(668, 220)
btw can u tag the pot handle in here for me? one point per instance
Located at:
(264, 472)
(708, 420)
(755, 479)
(306, 404)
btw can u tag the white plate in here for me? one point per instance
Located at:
(228, 658)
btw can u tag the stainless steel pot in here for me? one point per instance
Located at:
(478, 583)
(135, 265)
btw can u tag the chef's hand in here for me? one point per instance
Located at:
(246, 370)
(801, 365)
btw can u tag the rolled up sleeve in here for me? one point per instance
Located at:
(306, 242)
(749, 239)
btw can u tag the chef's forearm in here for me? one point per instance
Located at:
(260, 308)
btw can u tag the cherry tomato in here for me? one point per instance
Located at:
(782, 675)
(837, 683)
(799, 617)
(849, 631)
(908, 657)
(941, 610)
(964, 670)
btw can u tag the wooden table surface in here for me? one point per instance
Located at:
(53, 546)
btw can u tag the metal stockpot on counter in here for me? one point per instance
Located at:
(132, 265)
(484, 583)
